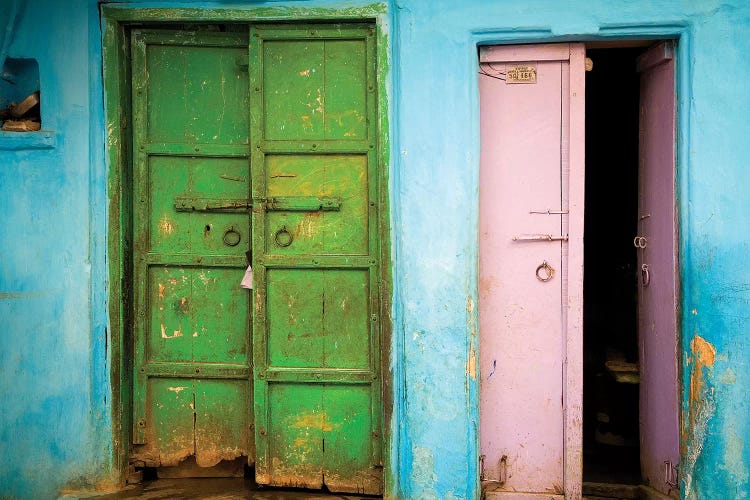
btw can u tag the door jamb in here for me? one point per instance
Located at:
(115, 22)
(572, 390)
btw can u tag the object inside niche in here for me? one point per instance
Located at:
(22, 116)
(20, 99)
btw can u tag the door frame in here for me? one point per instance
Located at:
(573, 380)
(116, 21)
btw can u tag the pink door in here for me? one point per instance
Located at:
(657, 298)
(530, 263)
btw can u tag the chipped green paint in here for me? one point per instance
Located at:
(250, 14)
(354, 145)
(316, 333)
(192, 319)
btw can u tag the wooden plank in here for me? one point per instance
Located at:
(193, 318)
(658, 291)
(348, 441)
(573, 370)
(346, 88)
(295, 437)
(346, 319)
(325, 82)
(222, 421)
(295, 78)
(196, 94)
(520, 317)
(524, 53)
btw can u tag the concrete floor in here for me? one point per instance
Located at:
(211, 489)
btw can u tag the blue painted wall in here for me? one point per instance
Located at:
(55, 422)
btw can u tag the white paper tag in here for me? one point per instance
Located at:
(247, 280)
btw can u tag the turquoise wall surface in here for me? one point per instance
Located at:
(56, 418)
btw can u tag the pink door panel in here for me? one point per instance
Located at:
(523, 199)
(657, 298)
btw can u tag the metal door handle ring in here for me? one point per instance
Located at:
(283, 238)
(544, 272)
(231, 237)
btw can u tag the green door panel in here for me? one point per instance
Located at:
(196, 90)
(171, 419)
(221, 412)
(296, 437)
(196, 232)
(192, 343)
(263, 140)
(343, 231)
(322, 319)
(316, 327)
(315, 89)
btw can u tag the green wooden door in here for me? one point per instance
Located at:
(192, 373)
(316, 257)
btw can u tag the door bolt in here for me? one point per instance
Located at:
(141, 422)
(262, 432)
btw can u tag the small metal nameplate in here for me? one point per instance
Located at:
(520, 73)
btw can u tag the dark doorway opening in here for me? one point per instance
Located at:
(611, 452)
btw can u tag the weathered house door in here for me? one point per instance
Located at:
(259, 144)
(529, 206)
(531, 264)
(192, 392)
(657, 263)
(316, 257)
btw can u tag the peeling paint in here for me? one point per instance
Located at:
(175, 334)
(314, 421)
(701, 409)
(166, 226)
(471, 363)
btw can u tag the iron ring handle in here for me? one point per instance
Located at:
(280, 239)
(549, 272)
(231, 237)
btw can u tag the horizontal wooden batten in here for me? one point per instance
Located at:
(192, 38)
(319, 146)
(322, 375)
(198, 150)
(524, 53)
(196, 260)
(196, 370)
(312, 31)
(322, 261)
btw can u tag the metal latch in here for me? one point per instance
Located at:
(304, 203)
(540, 237)
(283, 204)
(189, 204)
